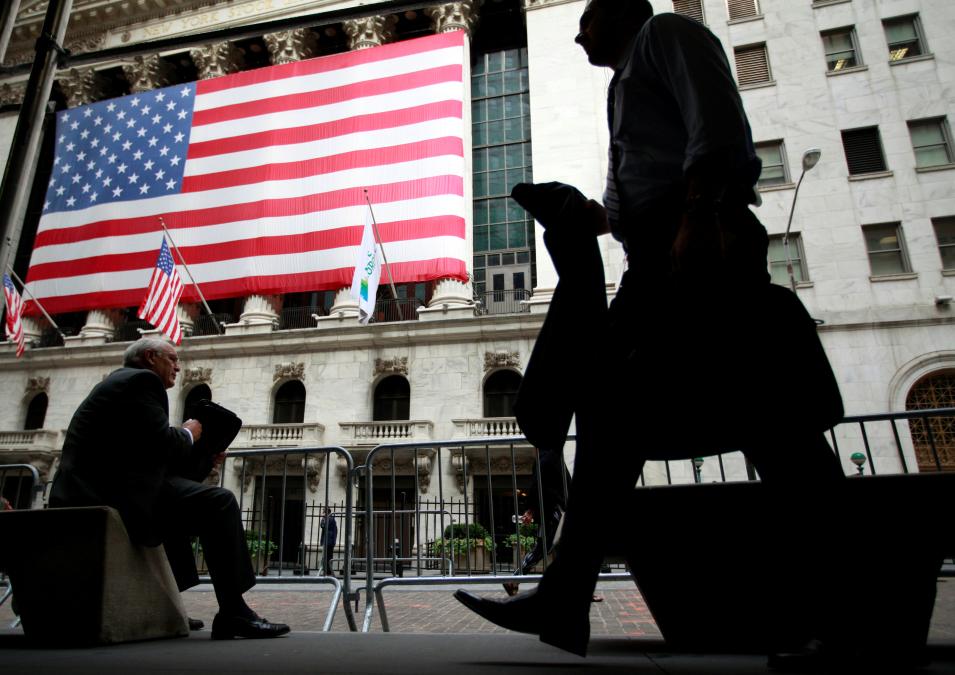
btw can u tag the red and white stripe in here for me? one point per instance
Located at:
(14, 323)
(159, 306)
(273, 197)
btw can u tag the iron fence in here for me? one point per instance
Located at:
(397, 309)
(512, 301)
(204, 324)
(300, 317)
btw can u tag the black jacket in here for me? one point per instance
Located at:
(119, 449)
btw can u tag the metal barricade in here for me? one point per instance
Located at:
(20, 488)
(476, 463)
(273, 516)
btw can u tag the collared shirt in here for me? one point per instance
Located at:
(674, 102)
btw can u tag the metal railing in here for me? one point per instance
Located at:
(272, 515)
(388, 310)
(204, 325)
(300, 317)
(503, 302)
(130, 331)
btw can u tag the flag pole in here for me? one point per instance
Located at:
(391, 279)
(191, 278)
(33, 297)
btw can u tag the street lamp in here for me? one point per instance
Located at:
(858, 459)
(809, 159)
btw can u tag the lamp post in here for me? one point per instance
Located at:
(809, 159)
(858, 459)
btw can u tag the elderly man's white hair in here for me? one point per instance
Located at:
(134, 355)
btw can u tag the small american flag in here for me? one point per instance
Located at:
(261, 176)
(14, 309)
(165, 289)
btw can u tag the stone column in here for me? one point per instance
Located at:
(216, 59)
(371, 31)
(147, 72)
(32, 329)
(260, 315)
(288, 46)
(453, 298)
(81, 86)
(99, 328)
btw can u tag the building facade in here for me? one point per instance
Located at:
(867, 82)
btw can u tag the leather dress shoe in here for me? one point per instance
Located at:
(226, 627)
(195, 624)
(527, 613)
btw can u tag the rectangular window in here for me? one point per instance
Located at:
(931, 141)
(501, 158)
(773, 157)
(752, 65)
(690, 8)
(841, 49)
(777, 259)
(945, 234)
(740, 9)
(886, 249)
(863, 148)
(904, 37)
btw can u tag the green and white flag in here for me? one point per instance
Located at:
(364, 283)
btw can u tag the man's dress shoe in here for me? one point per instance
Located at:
(528, 613)
(195, 624)
(226, 627)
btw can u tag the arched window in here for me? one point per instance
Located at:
(36, 412)
(500, 392)
(936, 390)
(392, 399)
(196, 394)
(289, 403)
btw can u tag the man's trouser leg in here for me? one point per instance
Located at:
(212, 513)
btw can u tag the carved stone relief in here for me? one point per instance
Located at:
(449, 16)
(404, 464)
(397, 365)
(81, 86)
(147, 72)
(288, 46)
(289, 371)
(196, 376)
(37, 384)
(494, 360)
(371, 31)
(217, 59)
(469, 463)
(247, 468)
(11, 93)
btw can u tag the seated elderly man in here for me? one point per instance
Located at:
(121, 452)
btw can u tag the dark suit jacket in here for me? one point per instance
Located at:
(119, 449)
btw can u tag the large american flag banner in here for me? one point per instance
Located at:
(260, 178)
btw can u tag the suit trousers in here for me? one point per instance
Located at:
(634, 400)
(192, 509)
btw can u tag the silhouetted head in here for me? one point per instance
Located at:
(606, 27)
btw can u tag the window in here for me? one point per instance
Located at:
(500, 392)
(904, 37)
(931, 141)
(289, 403)
(933, 438)
(777, 259)
(392, 399)
(752, 65)
(863, 149)
(774, 163)
(501, 136)
(886, 249)
(842, 50)
(740, 9)
(945, 234)
(36, 412)
(690, 8)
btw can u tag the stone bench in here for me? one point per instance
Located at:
(715, 562)
(77, 579)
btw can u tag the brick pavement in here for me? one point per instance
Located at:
(434, 610)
